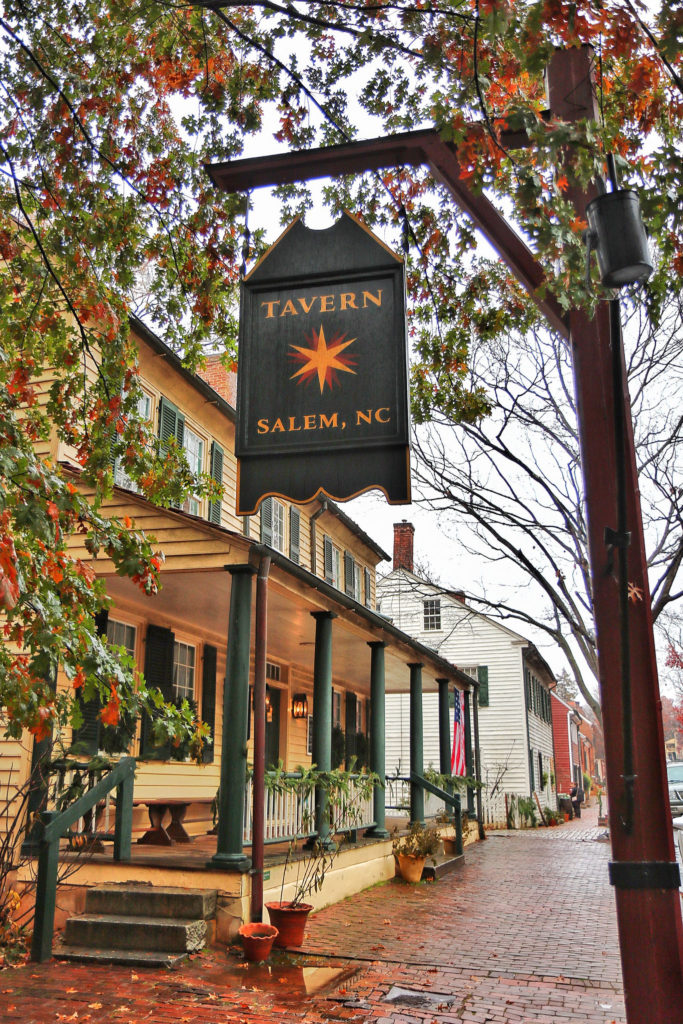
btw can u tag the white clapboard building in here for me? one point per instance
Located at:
(514, 712)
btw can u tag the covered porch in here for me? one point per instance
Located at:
(324, 652)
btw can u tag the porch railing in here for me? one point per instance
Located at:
(398, 798)
(54, 825)
(288, 815)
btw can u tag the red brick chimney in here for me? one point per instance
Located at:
(221, 380)
(403, 545)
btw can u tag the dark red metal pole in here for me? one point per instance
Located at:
(643, 869)
(259, 776)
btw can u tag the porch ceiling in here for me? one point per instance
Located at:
(201, 602)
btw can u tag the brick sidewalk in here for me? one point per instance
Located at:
(523, 933)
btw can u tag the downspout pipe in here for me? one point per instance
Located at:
(259, 775)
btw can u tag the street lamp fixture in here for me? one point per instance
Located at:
(617, 233)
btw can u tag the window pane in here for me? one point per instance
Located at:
(122, 635)
(194, 451)
(432, 613)
(183, 671)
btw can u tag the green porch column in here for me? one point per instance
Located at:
(229, 853)
(322, 715)
(469, 762)
(377, 736)
(444, 729)
(417, 797)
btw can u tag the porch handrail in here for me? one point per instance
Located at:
(53, 826)
(448, 798)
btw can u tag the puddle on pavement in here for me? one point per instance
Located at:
(281, 976)
(418, 998)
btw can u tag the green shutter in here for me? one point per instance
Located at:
(329, 560)
(349, 574)
(158, 673)
(171, 423)
(267, 522)
(217, 474)
(209, 700)
(483, 677)
(294, 534)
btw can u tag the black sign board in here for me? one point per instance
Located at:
(322, 395)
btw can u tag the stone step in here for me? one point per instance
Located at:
(158, 934)
(444, 864)
(123, 957)
(151, 901)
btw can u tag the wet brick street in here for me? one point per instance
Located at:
(525, 931)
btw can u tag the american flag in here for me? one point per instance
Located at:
(458, 751)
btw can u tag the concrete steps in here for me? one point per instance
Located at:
(139, 925)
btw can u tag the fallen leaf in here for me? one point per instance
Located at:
(94, 1006)
(71, 990)
(6, 991)
(134, 977)
(386, 921)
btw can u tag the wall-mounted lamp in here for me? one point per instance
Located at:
(299, 705)
(617, 233)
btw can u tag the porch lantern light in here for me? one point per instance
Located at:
(299, 705)
(617, 233)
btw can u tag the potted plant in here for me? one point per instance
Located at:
(344, 794)
(412, 849)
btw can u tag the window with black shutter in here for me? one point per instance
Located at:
(209, 700)
(294, 534)
(159, 674)
(86, 739)
(349, 574)
(329, 560)
(267, 522)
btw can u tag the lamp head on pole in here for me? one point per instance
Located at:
(617, 233)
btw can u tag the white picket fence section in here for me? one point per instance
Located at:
(290, 816)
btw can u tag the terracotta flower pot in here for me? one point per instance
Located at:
(290, 922)
(257, 940)
(410, 867)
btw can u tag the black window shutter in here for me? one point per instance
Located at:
(217, 474)
(329, 564)
(483, 677)
(158, 673)
(351, 744)
(87, 737)
(209, 700)
(349, 574)
(368, 588)
(294, 534)
(267, 522)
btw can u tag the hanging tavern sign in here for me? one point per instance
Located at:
(322, 399)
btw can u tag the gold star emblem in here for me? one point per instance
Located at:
(322, 361)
